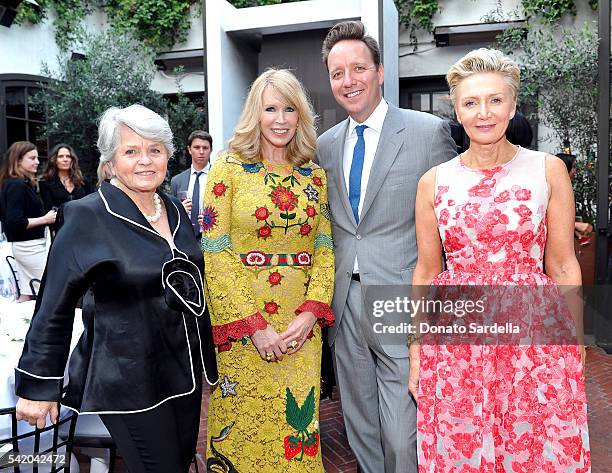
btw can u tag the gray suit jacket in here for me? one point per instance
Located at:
(384, 242)
(180, 182)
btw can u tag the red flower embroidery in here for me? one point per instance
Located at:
(271, 307)
(311, 211)
(523, 194)
(262, 213)
(317, 181)
(256, 258)
(264, 232)
(303, 258)
(275, 278)
(209, 219)
(305, 229)
(283, 198)
(219, 189)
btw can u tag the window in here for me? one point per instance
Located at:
(20, 120)
(428, 94)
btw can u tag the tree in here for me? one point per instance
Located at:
(116, 71)
(559, 78)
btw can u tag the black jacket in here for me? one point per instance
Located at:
(136, 352)
(54, 194)
(18, 202)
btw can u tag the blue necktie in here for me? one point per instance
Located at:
(195, 203)
(356, 170)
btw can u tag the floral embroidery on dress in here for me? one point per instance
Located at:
(300, 417)
(275, 262)
(496, 407)
(209, 218)
(219, 189)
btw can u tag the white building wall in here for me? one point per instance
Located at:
(23, 48)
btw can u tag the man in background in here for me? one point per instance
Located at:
(189, 185)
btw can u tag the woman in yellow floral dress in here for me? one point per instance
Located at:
(269, 274)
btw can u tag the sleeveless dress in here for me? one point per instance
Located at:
(499, 407)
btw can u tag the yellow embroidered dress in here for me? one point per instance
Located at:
(269, 255)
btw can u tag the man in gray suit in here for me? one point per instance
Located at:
(189, 185)
(373, 161)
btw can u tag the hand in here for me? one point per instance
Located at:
(50, 217)
(582, 350)
(268, 341)
(413, 376)
(35, 412)
(187, 204)
(298, 331)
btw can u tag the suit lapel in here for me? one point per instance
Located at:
(388, 146)
(338, 159)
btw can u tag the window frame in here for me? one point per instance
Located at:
(26, 81)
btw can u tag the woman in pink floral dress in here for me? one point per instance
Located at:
(504, 217)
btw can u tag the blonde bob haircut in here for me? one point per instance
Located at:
(246, 140)
(484, 60)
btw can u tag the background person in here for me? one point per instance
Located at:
(582, 230)
(506, 217)
(373, 160)
(190, 184)
(147, 338)
(22, 213)
(62, 180)
(269, 273)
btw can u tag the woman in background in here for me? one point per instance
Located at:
(22, 213)
(62, 180)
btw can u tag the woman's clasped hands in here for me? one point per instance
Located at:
(272, 346)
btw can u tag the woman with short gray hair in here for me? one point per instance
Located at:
(147, 339)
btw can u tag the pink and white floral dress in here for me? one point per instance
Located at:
(491, 407)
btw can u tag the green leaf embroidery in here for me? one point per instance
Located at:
(292, 411)
(307, 410)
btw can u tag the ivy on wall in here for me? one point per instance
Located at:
(158, 24)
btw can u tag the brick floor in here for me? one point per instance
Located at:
(338, 458)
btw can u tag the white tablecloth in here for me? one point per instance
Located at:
(14, 322)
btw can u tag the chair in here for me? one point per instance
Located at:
(14, 272)
(90, 432)
(58, 454)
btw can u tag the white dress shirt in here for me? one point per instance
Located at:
(202, 179)
(371, 135)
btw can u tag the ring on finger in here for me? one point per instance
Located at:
(268, 356)
(293, 344)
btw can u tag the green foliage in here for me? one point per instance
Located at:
(159, 24)
(258, 3)
(549, 11)
(417, 14)
(69, 15)
(116, 71)
(559, 78)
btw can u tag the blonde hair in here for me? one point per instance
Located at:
(246, 140)
(484, 60)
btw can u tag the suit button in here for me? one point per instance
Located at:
(348, 274)
(358, 236)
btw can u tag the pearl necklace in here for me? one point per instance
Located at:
(156, 202)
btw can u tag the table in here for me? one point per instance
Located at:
(14, 322)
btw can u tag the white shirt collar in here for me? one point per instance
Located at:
(374, 121)
(205, 170)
